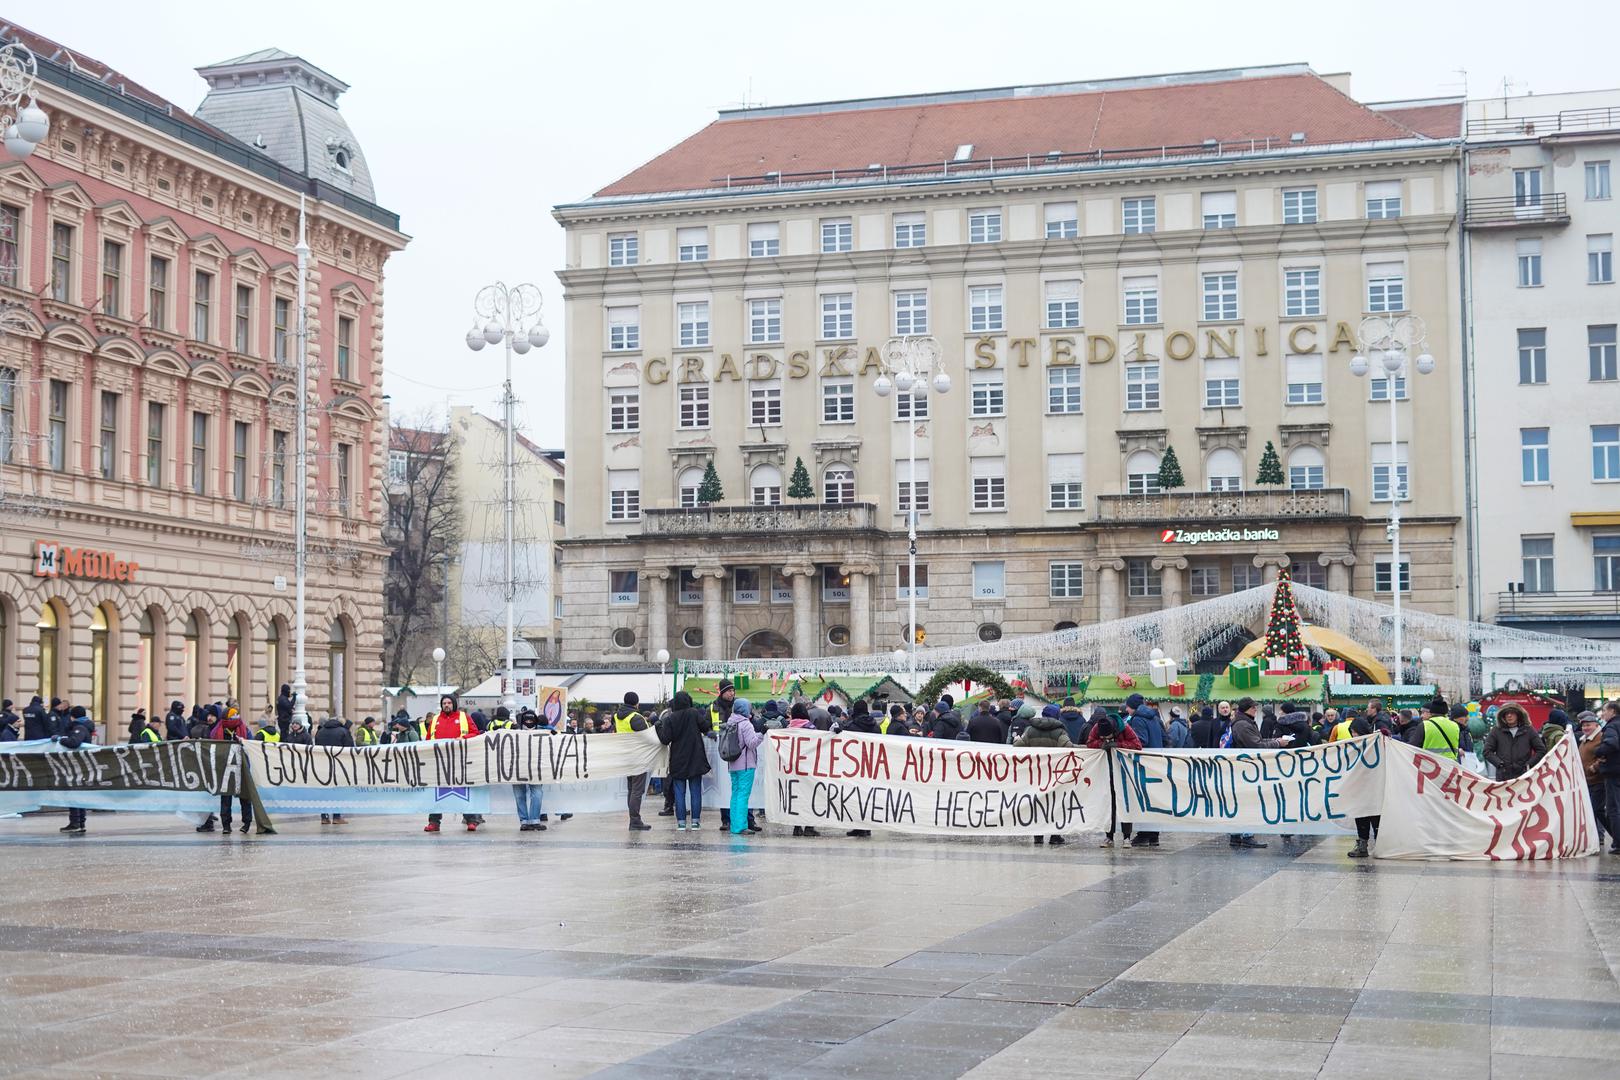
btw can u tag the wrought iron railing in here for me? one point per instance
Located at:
(1550, 208)
(1556, 604)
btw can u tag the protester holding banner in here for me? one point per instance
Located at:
(450, 722)
(1245, 735)
(1513, 746)
(1608, 752)
(1588, 737)
(1045, 730)
(1106, 734)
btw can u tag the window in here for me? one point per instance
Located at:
(837, 235)
(1600, 352)
(1600, 259)
(1386, 287)
(239, 463)
(1141, 216)
(624, 249)
(1307, 469)
(1381, 575)
(692, 244)
(8, 413)
(1224, 470)
(199, 453)
(1529, 256)
(107, 444)
(765, 405)
(765, 486)
(624, 587)
(1142, 473)
(838, 485)
(345, 348)
(989, 483)
(1534, 456)
(1141, 301)
(1606, 452)
(1383, 472)
(624, 638)
(764, 320)
(157, 294)
(154, 443)
(687, 485)
(1066, 580)
(692, 321)
(911, 313)
(694, 406)
(1532, 356)
(911, 490)
(689, 587)
(624, 494)
(624, 410)
(1222, 383)
(910, 230)
(1062, 220)
(902, 581)
(1304, 374)
(988, 394)
(1062, 305)
(10, 237)
(1527, 187)
(282, 317)
(1065, 481)
(1220, 296)
(63, 241)
(764, 239)
(837, 316)
(399, 467)
(1219, 209)
(1306, 570)
(1204, 580)
(1597, 180)
(1141, 387)
(985, 313)
(1606, 563)
(1063, 389)
(112, 278)
(278, 469)
(838, 401)
(57, 431)
(781, 588)
(1140, 578)
(1246, 575)
(1383, 199)
(202, 305)
(1378, 388)
(1302, 292)
(242, 323)
(834, 585)
(989, 580)
(984, 227)
(1299, 206)
(912, 406)
(1536, 562)
(624, 328)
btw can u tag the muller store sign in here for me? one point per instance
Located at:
(1216, 536)
(54, 560)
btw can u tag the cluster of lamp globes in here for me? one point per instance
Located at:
(907, 383)
(23, 137)
(1392, 360)
(492, 332)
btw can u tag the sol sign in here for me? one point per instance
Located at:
(1216, 536)
(58, 560)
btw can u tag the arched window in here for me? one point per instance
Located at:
(49, 644)
(101, 622)
(838, 484)
(337, 669)
(272, 661)
(1307, 469)
(233, 661)
(687, 485)
(1224, 470)
(191, 659)
(146, 654)
(765, 486)
(1142, 473)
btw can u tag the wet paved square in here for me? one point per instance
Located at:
(373, 950)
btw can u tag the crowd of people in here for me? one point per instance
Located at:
(1501, 742)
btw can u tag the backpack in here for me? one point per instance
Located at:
(730, 743)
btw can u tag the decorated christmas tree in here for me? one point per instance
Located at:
(709, 490)
(1170, 476)
(1282, 627)
(799, 483)
(1270, 467)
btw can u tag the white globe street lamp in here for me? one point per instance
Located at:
(27, 126)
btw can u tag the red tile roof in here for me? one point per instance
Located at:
(1435, 121)
(851, 138)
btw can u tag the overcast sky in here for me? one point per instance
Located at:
(478, 118)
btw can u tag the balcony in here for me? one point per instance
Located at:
(745, 520)
(1511, 212)
(1567, 122)
(1219, 508)
(1540, 606)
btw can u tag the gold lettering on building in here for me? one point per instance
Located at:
(1342, 337)
(1062, 351)
(657, 371)
(1139, 351)
(984, 353)
(1260, 341)
(873, 361)
(798, 364)
(692, 369)
(728, 367)
(1215, 345)
(1293, 339)
(1178, 345)
(1021, 345)
(832, 361)
(1094, 348)
(762, 366)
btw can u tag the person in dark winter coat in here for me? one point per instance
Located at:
(860, 719)
(142, 731)
(1297, 724)
(1022, 715)
(78, 731)
(1144, 720)
(1177, 733)
(983, 726)
(174, 722)
(36, 721)
(1074, 721)
(946, 723)
(1212, 725)
(1107, 733)
(820, 718)
(284, 709)
(1246, 736)
(1607, 755)
(682, 730)
(332, 732)
(1047, 731)
(1512, 747)
(298, 733)
(9, 721)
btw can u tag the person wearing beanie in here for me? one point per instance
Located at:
(1178, 732)
(898, 722)
(174, 721)
(141, 730)
(682, 730)
(8, 723)
(1554, 728)
(1435, 731)
(945, 723)
(860, 719)
(1107, 732)
(627, 719)
(36, 721)
(798, 715)
(1047, 731)
(1133, 703)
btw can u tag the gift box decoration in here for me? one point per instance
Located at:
(1162, 671)
(1276, 665)
(1177, 688)
(1244, 674)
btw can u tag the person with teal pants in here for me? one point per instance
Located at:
(742, 770)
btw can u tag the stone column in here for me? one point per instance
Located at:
(1110, 588)
(860, 605)
(713, 576)
(1338, 565)
(656, 579)
(803, 576)
(1270, 565)
(1170, 568)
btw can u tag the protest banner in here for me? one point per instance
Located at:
(1436, 809)
(1315, 789)
(924, 786)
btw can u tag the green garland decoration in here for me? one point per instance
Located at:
(1206, 683)
(930, 690)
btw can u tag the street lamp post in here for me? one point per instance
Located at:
(663, 660)
(511, 314)
(1386, 341)
(25, 127)
(907, 364)
(438, 660)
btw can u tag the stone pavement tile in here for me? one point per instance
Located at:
(522, 1012)
(1357, 1061)
(659, 1017)
(474, 1067)
(586, 1044)
(306, 1027)
(1022, 1015)
(1230, 1055)
(954, 963)
(1527, 1067)
(892, 1062)
(739, 1055)
(1447, 1007)
(1302, 1027)
(180, 1057)
(900, 983)
(1461, 1039)
(1045, 1052)
(1552, 1041)
(460, 958)
(40, 983)
(998, 989)
(615, 991)
(794, 1022)
(339, 1062)
(23, 1048)
(1093, 1020)
(435, 1035)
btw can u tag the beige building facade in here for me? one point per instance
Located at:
(1095, 306)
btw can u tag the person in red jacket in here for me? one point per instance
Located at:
(450, 722)
(1107, 734)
